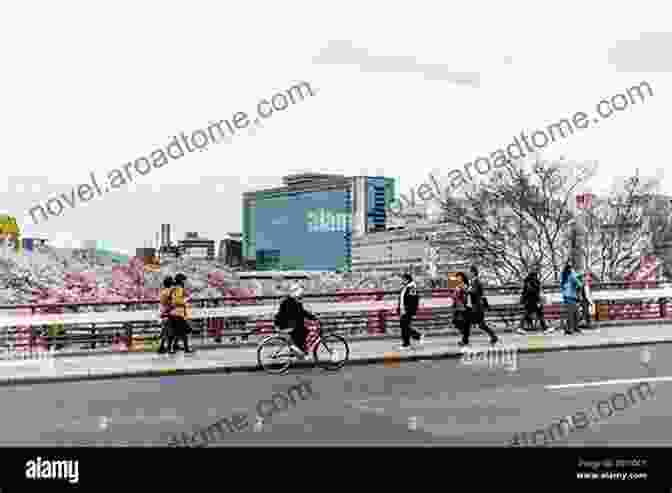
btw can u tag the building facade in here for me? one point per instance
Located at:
(308, 224)
(194, 247)
(425, 249)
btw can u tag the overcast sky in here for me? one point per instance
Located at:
(403, 89)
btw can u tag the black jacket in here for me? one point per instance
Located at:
(531, 291)
(475, 296)
(292, 314)
(409, 299)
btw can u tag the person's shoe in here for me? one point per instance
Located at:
(463, 344)
(521, 332)
(189, 351)
(494, 340)
(549, 330)
(421, 340)
(405, 348)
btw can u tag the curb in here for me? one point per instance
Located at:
(250, 368)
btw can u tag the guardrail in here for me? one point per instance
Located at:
(654, 288)
(371, 312)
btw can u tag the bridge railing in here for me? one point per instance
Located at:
(363, 313)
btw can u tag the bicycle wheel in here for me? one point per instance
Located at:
(275, 355)
(332, 352)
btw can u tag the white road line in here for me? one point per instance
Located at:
(608, 382)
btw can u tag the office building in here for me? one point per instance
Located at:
(308, 224)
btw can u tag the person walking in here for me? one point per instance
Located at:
(569, 284)
(460, 313)
(532, 301)
(476, 305)
(179, 314)
(408, 308)
(293, 315)
(584, 303)
(165, 307)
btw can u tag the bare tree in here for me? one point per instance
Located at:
(622, 228)
(518, 221)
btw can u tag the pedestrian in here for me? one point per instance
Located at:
(569, 284)
(179, 314)
(532, 301)
(292, 315)
(584, 303)
(460, 314)
(407, 308)
(476, 306)
(165, 307)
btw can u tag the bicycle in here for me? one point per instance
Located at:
(282, 354)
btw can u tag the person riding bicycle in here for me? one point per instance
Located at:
(292, 315)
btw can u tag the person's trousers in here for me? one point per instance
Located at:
(298, 335)
(536, 310)
(571, 317)
(406, 331)
(166, 336)
(181, 329)
(476, 318)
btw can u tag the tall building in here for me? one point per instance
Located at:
(231, 250)
(165, 235)
(308, 224)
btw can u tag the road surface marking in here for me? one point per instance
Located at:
(607, 382)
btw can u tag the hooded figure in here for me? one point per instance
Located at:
(292, 315)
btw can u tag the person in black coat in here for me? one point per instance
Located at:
(407, 308)
(476, 306)
(292, 315)
(532, 302)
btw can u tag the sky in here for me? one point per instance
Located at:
(402, 89)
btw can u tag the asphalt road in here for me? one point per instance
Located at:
(432, 402)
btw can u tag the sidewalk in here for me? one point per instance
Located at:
(243, 359)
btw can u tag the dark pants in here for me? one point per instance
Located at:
(166, 335)
(180, 332)
(536, 310)
(406, 331)
(571, 321)
(298, 335)
(476, 318)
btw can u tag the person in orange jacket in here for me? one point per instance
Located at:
(179, 314)
(165, 307)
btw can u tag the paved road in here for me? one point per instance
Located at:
(432, 402)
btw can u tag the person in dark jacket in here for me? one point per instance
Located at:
(460, 314)
(532, 302)
(476, 308)
(292, 315)
(407, 308)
